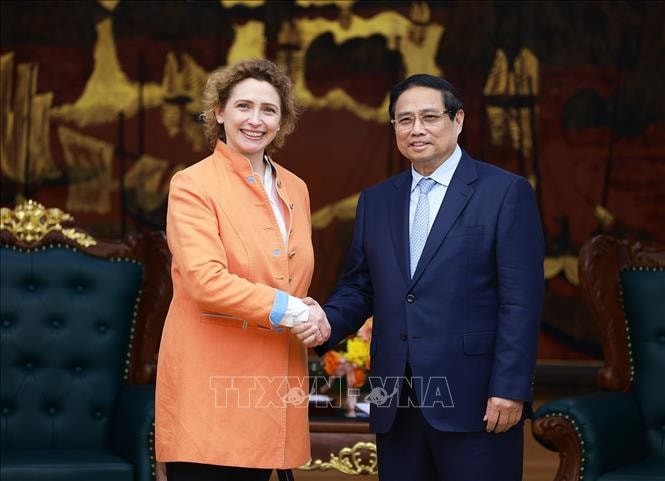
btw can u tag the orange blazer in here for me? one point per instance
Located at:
(231, 389)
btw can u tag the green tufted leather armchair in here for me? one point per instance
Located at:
(80, 321)
(617, 434)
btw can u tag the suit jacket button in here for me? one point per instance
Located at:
(402, 336)
(410, 298)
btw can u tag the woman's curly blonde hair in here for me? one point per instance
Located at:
(218, 90)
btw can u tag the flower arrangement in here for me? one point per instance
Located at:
(351, 359)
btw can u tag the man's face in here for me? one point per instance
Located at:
(424, 134)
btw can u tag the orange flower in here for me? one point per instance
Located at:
(331, 362)
(359, 377)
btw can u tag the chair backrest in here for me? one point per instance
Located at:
(624, 285)
(76, 314)
(643, 295)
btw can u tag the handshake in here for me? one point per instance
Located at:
(316, 329)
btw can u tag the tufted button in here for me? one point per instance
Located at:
(56, 323)
(6, 323)
(402, 336)
(30, 287)
(410, 298)
(97, 414)
(29, 366)
(5, 411)
(51, 410)
(78, 369)
(102, 327)
(79, 288)
(661, 338)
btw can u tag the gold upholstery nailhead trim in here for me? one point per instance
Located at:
(132, 327)
(151, 448)
(631, 358)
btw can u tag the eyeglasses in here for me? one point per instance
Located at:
(428, 119)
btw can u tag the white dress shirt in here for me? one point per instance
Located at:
(296, 310)
(442, 176)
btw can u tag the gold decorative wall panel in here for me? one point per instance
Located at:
(108, 91)
(89, 169)
(518, 79)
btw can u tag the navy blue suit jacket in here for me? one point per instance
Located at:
(469, 318)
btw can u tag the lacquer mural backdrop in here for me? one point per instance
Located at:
(100, 103)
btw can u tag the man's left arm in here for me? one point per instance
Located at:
(351, 302)
(519, 257)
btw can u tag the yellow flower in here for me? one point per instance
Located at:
(357, 351)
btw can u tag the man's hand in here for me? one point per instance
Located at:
(502, 414)
(316, 330)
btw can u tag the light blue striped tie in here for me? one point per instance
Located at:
(420, 227)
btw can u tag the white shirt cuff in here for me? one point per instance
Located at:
(296, 312)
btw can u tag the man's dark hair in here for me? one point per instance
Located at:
(451, 99)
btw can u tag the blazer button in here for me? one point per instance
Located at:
(410, 298)
(402, 336)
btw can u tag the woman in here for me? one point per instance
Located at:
(231, 378)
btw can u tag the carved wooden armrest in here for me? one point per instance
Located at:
(559, 434)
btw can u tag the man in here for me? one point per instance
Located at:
(448, 258)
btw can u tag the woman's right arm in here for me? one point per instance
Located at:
(200, 256)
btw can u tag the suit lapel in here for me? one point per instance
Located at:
(458, 194)
(399, 220)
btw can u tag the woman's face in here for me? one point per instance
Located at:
(251, 118)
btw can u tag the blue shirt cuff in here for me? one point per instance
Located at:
(278, 307)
